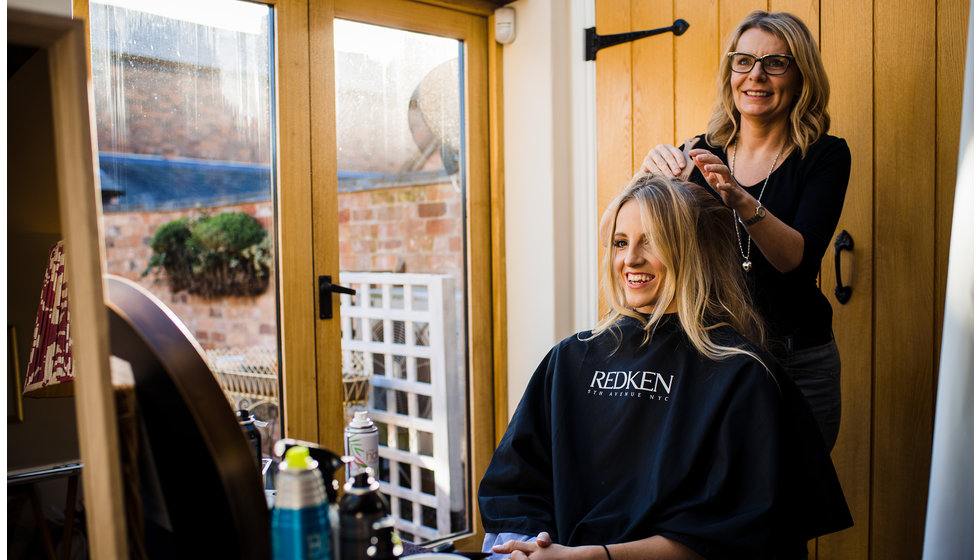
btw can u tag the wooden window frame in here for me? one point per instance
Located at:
(483, 219)
(307, 192)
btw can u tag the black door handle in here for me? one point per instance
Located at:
(327, 287)
(842, 243)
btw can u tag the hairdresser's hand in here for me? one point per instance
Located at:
(541, 549)
(720, 178)
(668, 161)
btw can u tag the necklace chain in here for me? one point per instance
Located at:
(746, 263)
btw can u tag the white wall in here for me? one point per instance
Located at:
(548, 179)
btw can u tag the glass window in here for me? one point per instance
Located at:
(402, 238)
(398, 117)
(183, 106)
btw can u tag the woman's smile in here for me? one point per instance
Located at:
(636, 280)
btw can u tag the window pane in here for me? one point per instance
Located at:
(185, 135)
(402, 235)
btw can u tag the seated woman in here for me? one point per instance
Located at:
(665, 432)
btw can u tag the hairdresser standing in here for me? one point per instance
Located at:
(768, 157)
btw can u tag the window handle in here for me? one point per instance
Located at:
(327, 287)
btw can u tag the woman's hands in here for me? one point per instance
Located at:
(668, 161)
(543, 549)
(651, 547)
(520, 550)
(720, 178)
(781, 244)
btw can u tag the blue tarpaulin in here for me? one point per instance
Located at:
(134, 182)
(146, 183)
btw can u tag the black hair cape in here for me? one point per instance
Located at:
(616, 441)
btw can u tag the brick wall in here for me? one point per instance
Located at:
(215, 323)
(171, 111)
(414, 229)
(406, 229)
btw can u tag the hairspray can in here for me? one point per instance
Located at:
(361, 507)
(300, 516)
(361, 445)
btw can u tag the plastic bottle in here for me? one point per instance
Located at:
(300, 517)
(247, 421)
(385, 544)
(361, 507)
(361, 444)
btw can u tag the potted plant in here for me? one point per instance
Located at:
(226, 254)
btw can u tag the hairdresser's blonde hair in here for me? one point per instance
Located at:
(691, 233)
(809, 118)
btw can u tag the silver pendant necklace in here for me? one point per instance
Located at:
(746, 262)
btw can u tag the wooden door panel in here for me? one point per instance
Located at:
(697, 68)
(807, 10)
(904, 201)
(847, 50)
(952, 25)
(326, 255)
(730, 13)
(614, 103)
(301, 415)
(656, 61)
(896, 71)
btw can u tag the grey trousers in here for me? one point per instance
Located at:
(816, 371)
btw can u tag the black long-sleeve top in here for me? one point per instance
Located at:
(808, 195)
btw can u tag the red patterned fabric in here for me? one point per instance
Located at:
(51, 361)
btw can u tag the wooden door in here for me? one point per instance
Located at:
(468, 27)
(896, 73)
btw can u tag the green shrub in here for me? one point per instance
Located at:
(171, 236)
(231, 231)
(213, 256)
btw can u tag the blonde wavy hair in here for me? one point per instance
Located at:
(809, 118)
(691, 233)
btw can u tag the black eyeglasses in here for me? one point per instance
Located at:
(772, 64)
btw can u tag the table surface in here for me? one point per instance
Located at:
(43, 472)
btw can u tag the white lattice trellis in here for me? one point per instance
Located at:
(401, 330)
